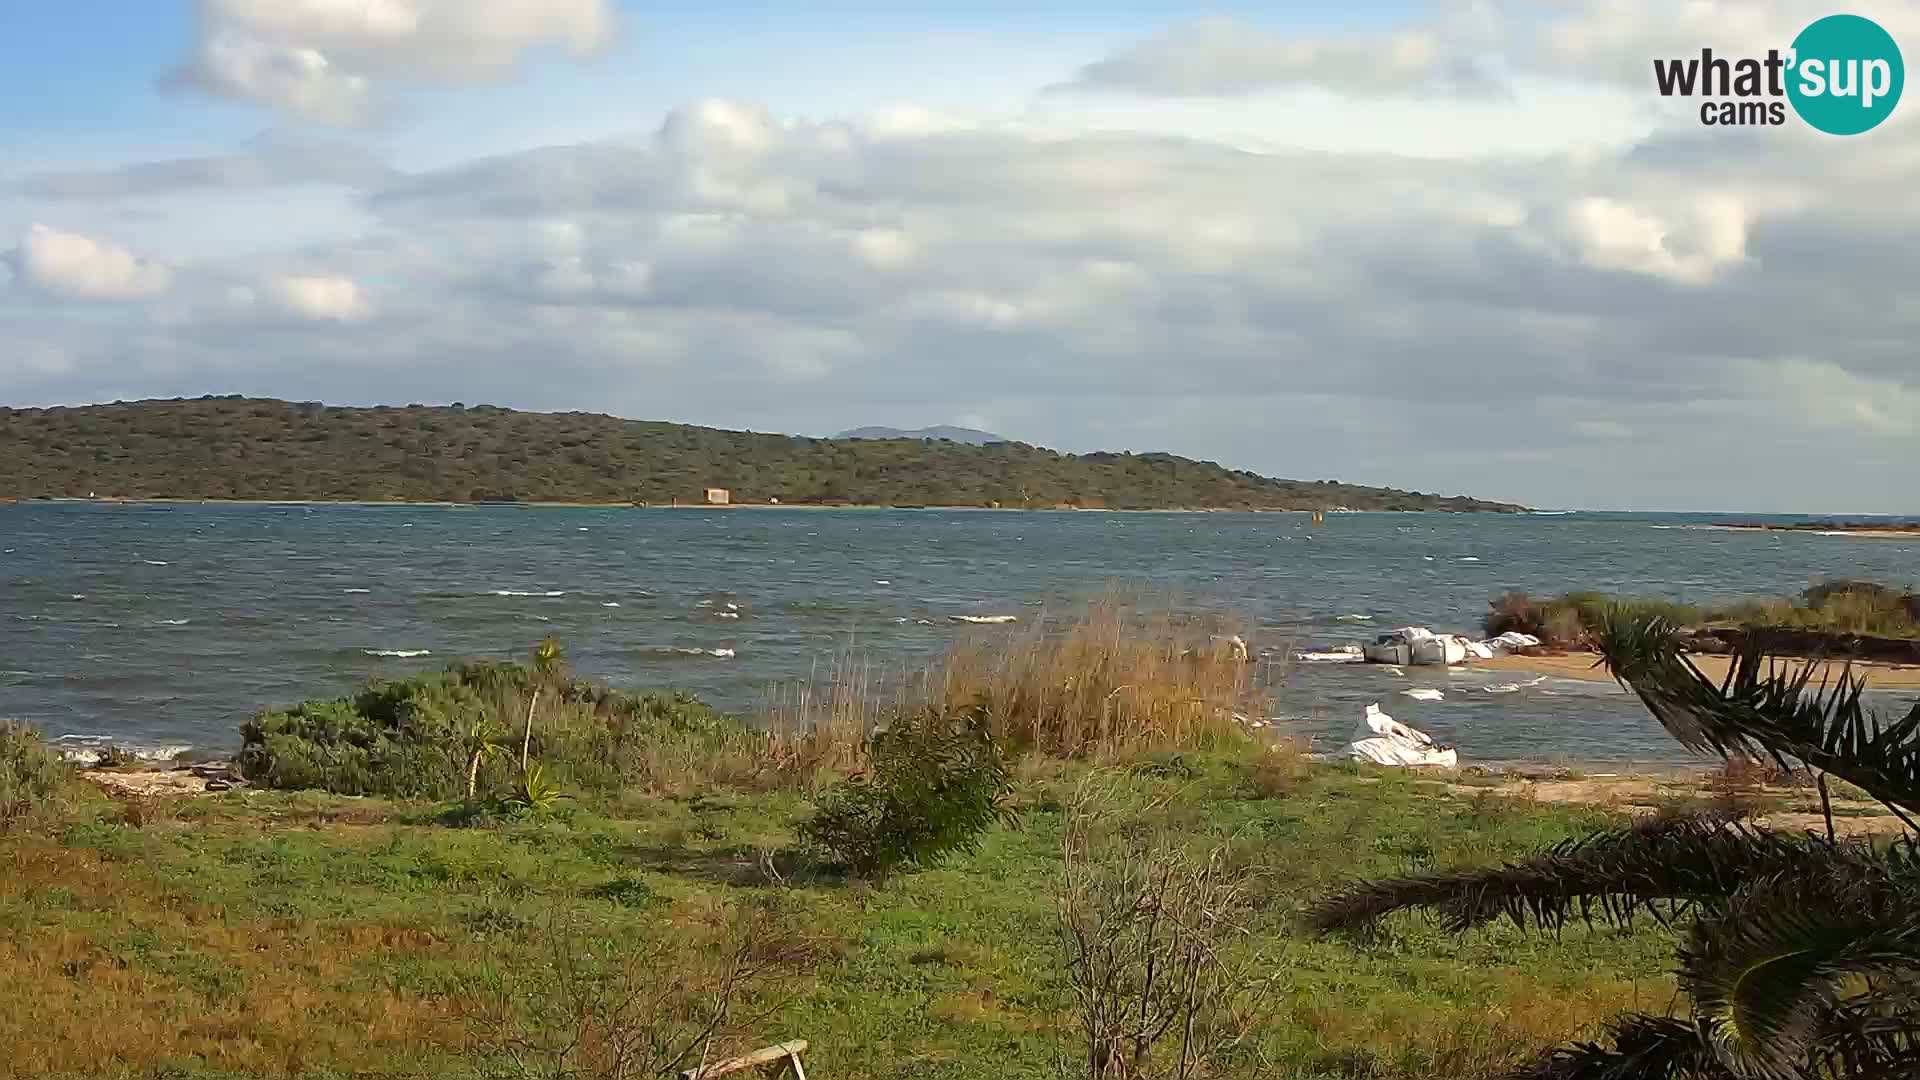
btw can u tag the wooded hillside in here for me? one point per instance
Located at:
(247, 448)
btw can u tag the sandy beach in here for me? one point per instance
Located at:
(1587, 666)
(1884, 534)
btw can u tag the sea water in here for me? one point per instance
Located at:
(164, 626)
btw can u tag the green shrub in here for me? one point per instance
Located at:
(1859, 607)
(1835, 606)
(936, 782)
(1567, 622)
(413, 738)
(31, 773)
(400, 738)
(1517, 612)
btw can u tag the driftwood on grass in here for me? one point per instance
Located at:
(787, 1054)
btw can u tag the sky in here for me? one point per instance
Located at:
(1460, 246)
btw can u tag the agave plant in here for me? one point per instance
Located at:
(546, 662)
(480, 744)
(533, 793)
(1800, 953)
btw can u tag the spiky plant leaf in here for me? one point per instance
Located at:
(1765, 707)
(1768, 967)
(1656, 866)
(1637, 1048)
(1874, 1035)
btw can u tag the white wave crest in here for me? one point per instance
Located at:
(404, 654)
(517, 592)
(984, 619)
(86, 749)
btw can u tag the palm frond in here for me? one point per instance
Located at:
(1638, 1048)
(1766, 706)
(1768, 968)
(1872, 1036)
(1654, 866)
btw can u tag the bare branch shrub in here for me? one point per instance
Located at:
(1148, 930)
(686, 998)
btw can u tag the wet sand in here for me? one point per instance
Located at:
(1587, 666)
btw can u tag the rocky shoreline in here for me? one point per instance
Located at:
(158, 779)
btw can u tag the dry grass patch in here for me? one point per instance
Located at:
(1109, 683)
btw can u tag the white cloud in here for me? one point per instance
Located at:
(69, 264)
(270, 160)
(1220, 55)
(325, 60)
(1708, 238)
(883, 248)
(318, 296)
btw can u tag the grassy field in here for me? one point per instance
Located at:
(427, 914)
(272, 934)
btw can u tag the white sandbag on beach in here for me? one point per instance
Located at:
(1508, 642)
(1386, 741)
(1440, 649)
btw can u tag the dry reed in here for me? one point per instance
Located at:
(1107, 682)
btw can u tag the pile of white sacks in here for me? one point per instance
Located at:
(1386, 741)
(1419, 645)
(1426, 647)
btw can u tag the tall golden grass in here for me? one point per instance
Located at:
(1111, 680)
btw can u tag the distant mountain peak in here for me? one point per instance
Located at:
(970, 436)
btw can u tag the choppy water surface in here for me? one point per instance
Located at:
(168, 625)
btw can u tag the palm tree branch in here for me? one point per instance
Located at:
(1767, 968)
(1655, 866)
(1765, 707)
(1873, 1036)
(1637, 1048)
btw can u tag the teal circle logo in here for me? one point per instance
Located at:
(1846, 75)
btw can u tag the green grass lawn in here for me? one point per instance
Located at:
(298, 934)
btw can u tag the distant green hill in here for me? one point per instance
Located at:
(245, 448)
(943, 431)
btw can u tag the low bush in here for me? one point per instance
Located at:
(936, 781)
(1567, 621)
(31, 772)
(416, 738)
(1558, 623)
(1856, 607)
(1273, 771)
(1516, 612)
(1836, 606)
